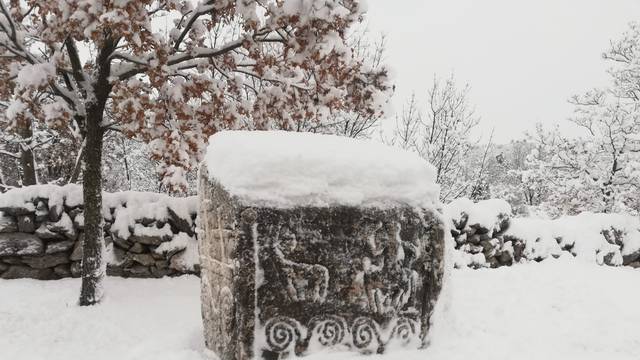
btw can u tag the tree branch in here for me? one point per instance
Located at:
(201, 10)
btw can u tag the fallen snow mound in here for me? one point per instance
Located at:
(286, 169)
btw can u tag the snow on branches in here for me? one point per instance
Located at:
(173, 72)
(600, 170)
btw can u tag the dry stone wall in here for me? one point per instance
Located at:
(486, 235)
(146, 235)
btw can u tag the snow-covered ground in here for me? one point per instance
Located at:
(560, 309)
(139, 319)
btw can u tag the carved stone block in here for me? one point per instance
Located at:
(279, 282)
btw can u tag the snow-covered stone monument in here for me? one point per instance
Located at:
(314, 241)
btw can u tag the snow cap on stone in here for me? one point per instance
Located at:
(288, 169)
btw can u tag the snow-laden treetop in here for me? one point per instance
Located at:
(286, 169)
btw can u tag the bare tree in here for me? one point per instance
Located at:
(408, 125)
(441, 134)
(348, 123)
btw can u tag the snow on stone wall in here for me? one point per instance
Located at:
(486, 235)
(146, 234)
(152, 235)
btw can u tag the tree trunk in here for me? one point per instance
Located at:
(126, 163)
(77, 167)
(3, 182)
(94, 268)
(27, 160)
(93, 265)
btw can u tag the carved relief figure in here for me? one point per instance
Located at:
(388, 259)
(220, 306)
(302, 281)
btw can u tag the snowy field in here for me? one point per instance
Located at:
(554, 310)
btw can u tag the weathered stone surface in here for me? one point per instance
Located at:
(78, 221)
(139, 271)
(160, 272)
(136, 248)
(76, 255)
(609, 259)
(518, 250)
(493, 262)
(161, 264)
(55, 212)
(46, 261)
(351, 278)
(122, 243)
(146, 221)
(635, 264)
(62, 270)
(25, 272)
(26, 223)
(143, 259)
(158, 256)
(178, 263)
(114, 270)
(18, 210)
(42, 212)
(3, 266)
(59, 246)
(505, 258)
(613, 236)
(13, 260)
(630, 258)
(150, 239)
(119, 255)
(76, 269)
(73, 213)
(180, 223)
(8, 224)
(64, 226)
(473, 239)
(44, 233)
(18, 244)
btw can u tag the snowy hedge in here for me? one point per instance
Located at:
(146, 234)
(486, 235)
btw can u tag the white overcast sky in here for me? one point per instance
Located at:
(523, 59)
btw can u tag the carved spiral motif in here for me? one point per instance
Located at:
(282, 333)
(365, 333)
(226, 300)
(227, 305)
(404, 330)
(214, 291)
(329, 330)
